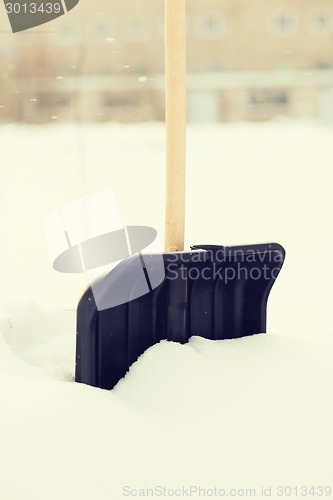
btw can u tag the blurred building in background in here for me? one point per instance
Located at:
(104, 60)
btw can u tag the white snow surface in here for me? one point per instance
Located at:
(238, 414)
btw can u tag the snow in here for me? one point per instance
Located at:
(229, 414)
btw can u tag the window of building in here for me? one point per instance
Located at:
(320, 22)
(284, 23)
(42, 100)
(210, 26)
(68, 33)
(46, 100)
(138, 29)
(104, 31)
(61, 101)
(120, 101)
(271, 97)
(322, 64)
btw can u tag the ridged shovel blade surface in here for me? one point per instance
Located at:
(216, 293)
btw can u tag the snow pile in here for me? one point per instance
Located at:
(234, 414)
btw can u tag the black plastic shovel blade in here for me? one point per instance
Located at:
(216, 293)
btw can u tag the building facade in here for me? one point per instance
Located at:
(104, 60)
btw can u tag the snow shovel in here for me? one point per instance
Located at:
(212, 291)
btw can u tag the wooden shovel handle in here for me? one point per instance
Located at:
(175, 97)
